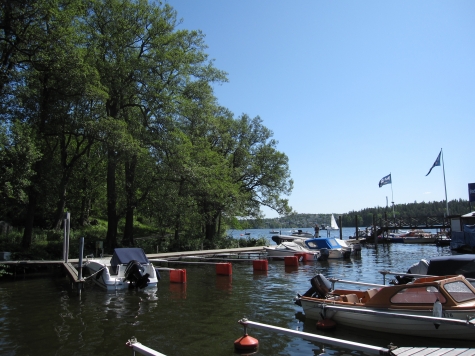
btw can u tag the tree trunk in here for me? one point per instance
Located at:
(30, 218)
(61, 204)
(130, 166)
(111, 237)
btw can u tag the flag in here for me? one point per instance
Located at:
(436, 163)
(385, 180)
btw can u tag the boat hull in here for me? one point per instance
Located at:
(282, 253)
(100, 273)
(419, 240)
(393, 323)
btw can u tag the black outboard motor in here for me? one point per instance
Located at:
(321, 287)
(134, 273)
(324, 253)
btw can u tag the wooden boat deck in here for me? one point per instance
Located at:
(431, 351)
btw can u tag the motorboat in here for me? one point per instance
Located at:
(127, 268)
(329, 246)
(291, 248)
(436, 307)
(418, 237)
(278, 239)
(353, 246)
(301, 233)
(438, 266)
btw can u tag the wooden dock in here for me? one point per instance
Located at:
(431, 351)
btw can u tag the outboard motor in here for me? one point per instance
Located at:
(321, 287)
(324, 253)
(134, 273)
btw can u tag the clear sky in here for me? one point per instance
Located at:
(353, 91)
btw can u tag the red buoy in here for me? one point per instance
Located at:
(326, 324)
(246, 343)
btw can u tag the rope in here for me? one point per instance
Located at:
(86, 278)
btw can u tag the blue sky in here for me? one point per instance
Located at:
(353, 91)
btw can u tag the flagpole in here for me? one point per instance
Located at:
(392, 195)
(445, 185)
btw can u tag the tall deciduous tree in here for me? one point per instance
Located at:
(144, 63)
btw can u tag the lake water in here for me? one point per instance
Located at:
(42, 315)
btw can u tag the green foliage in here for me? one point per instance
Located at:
(108, 110)
(4, 270)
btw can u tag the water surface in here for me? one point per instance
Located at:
(44, 316)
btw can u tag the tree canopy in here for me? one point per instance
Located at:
(108, 111)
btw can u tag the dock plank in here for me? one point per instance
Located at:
(440, 351)
(405, 351)
(455, 352)
(427, 351)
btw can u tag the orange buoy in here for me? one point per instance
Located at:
(291, 261)
(246, 343)
(326, 324)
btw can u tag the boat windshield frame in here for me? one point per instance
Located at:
(459, 291)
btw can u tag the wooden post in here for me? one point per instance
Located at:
(341, 229)
(67, 225)
(81, 253)
(375, 232)
(356, 224)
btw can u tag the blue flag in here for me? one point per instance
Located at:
(436, 163)
(385, 180)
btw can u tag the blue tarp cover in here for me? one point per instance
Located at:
(469, 228)
(125, 255)
(322, 242)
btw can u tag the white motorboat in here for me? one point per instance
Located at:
(437, 307)
(354, 247)
(128, 268)
(290, 248)
(328, 246)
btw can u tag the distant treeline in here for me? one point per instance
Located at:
(365, 216)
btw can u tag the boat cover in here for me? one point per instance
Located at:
(452, 265)
(125, 255)
(322, 242)
(469, 228)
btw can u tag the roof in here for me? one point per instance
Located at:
(322, 242)
(125, 255)
(452, 265)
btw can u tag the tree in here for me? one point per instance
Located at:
(144, 63)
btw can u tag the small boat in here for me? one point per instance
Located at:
(418, 237)
(443, 240)
(278, 239)
(128, 268)
(330, 245)
(301, 233)
(438, 266)
(290, 248)
(273, 232)
(436, 307)
(333, 224)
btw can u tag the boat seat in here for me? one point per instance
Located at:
(369, 294)
(350, 298)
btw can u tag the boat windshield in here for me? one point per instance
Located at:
(459, 291)
(418, 295)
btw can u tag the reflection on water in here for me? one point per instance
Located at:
(196, 318)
